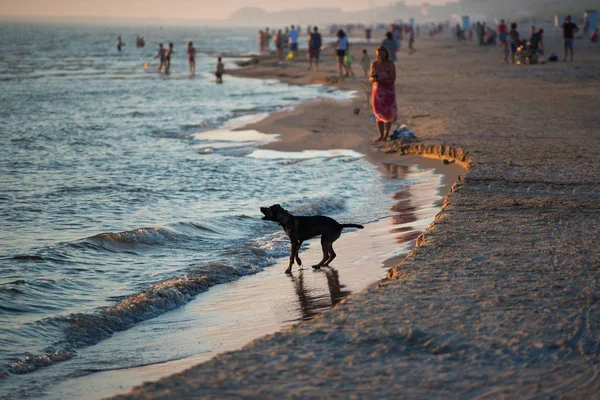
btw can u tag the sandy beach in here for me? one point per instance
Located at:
(499, 298)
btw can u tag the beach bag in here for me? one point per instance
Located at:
(290, 56)
(402, 132)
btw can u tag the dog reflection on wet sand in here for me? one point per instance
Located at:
(299, 229)
(312, 303)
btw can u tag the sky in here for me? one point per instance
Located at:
(171, 9)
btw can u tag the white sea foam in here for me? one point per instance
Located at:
(303, 155)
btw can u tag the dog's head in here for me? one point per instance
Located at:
(275, 213)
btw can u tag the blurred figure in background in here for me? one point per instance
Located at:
(515, 41)
(411, 40)
(391, 46)
(365, 62)
(314, 48)
(219, 70)
(191, 55)
(261, 41)
(294, 41)
(120, 44)
(342, 47)
(161, 56)
(168, 53)
(279, 45)
(569, 31)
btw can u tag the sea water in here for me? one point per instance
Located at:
(124, 193)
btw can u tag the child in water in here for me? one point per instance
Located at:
(365, 62)
(219, 70)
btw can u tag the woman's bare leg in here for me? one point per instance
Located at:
(381, 130)
(387, 127)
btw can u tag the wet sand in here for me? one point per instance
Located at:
(500, 296)
(229, 316)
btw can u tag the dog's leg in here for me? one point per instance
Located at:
(332, 255)
(293, 254)
(325, 247)
(298, 260)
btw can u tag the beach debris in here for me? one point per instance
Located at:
(403, 132)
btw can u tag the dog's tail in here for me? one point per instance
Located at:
(352, 226)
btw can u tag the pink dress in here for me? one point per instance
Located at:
(384, 99)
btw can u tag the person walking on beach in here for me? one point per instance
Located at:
(191, 55)
(383, 76)
(397, 35)
(390, 45)
(411, 40)
(368, 34)
(161, 56)
(502, 35)
(502, 32)
(219, 70)
(294, 41)
(515, 41)
(314, 48)
(342, 46)
(569, 31)
(168, 53)
(285, 41)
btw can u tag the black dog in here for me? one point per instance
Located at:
(299, 229)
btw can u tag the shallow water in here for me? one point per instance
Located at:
(124, 194)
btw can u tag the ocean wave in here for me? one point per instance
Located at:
(85, 329)
(175, 235)
(32, 363)
(320, 206)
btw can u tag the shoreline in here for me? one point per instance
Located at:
(350, 245)
(498, 297)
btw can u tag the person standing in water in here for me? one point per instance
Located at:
(161, 56)
(120, 43)
(191, 55)
(219, 70)
(168, 54)
(383, 76)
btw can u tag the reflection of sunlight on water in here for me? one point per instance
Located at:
(414, 208)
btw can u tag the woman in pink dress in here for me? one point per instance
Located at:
(383, 76)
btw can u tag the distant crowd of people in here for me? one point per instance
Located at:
(511, 42)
